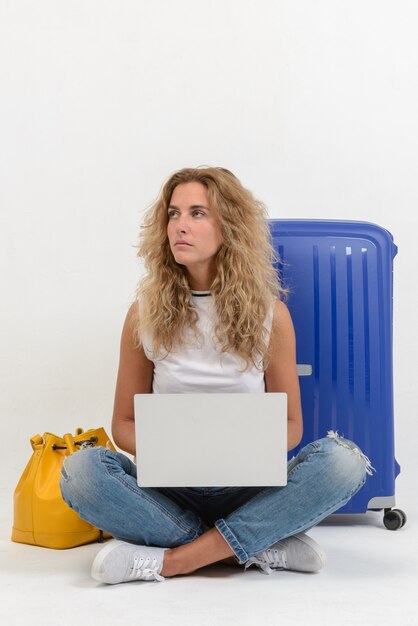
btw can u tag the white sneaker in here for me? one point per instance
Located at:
(299, 552)
(122, 562)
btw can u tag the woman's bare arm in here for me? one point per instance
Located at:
(281, 374)
(134, 376)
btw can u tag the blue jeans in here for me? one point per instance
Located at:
(101, 486)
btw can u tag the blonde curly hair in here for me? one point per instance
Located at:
(245, 285)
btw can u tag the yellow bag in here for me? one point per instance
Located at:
(41, 517)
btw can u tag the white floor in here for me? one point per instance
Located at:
(371, 578)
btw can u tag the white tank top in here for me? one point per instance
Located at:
(197, 366)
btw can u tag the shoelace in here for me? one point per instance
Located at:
(145, 569)
(268, 560)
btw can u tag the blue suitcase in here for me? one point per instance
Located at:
(339, 276)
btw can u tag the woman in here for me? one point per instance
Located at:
(209, 316)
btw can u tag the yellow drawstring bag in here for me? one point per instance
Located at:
(41, 517)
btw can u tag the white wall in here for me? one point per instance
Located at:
(311, 103)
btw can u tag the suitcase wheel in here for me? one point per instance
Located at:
(394, 519)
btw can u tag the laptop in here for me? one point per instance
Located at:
(211, 439)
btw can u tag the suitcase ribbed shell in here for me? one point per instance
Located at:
(340, 279)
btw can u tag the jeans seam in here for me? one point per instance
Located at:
(231, 540)
(142, 494)
(312, 522)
